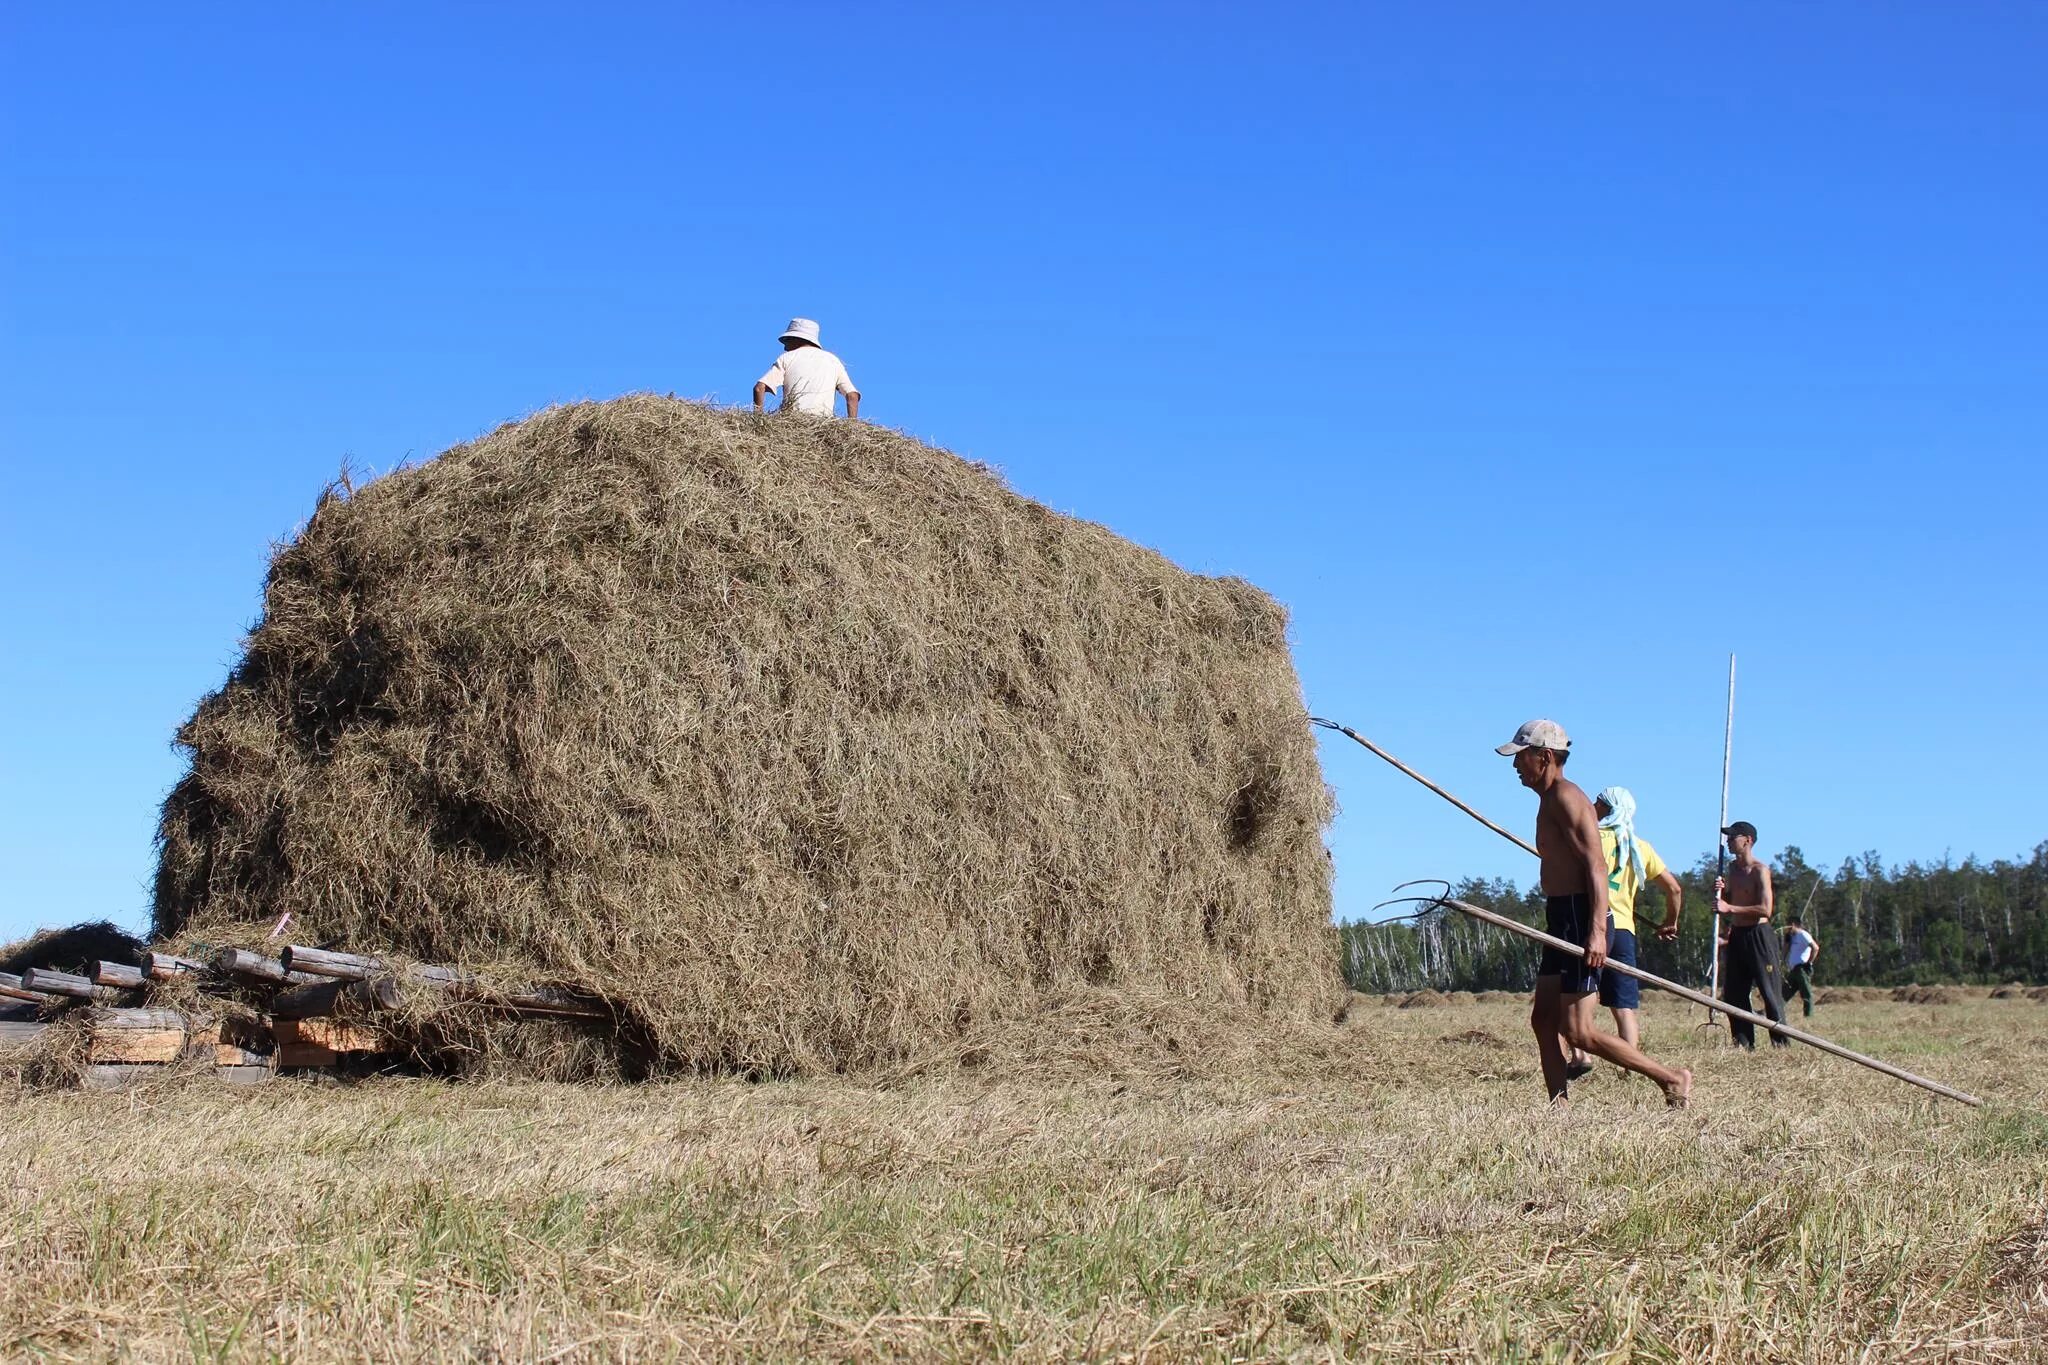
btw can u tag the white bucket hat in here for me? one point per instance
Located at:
(800, 329)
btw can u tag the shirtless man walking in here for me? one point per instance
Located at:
(1574, 878)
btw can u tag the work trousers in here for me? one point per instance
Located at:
(1753, 965)
(1800, 979)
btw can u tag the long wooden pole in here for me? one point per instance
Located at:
(1350, 733)
(1783, 1030)
(1721, 839)
(1515, 926)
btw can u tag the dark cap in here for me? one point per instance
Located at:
(1740, 827)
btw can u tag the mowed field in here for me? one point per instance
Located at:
(1143, 1192)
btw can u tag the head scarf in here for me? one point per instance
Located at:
(1621, 818)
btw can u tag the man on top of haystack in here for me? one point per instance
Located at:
(1574, 880)
(807, 374)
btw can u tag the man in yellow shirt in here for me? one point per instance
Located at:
(1632, 864)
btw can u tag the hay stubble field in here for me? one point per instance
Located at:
(1123, 1183)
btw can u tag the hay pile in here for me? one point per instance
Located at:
(813, 746)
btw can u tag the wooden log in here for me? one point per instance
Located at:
(352, 967)
(118, 974)
(545, 1000)
(53, 982)
(320, 962)
(234, 1054)
(12, 989)
(326, 997)
(256, 967)
(19, 1033)
(305, 1002)
(165, 966)
(292, 1055)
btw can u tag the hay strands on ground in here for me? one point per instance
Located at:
(1649, 979)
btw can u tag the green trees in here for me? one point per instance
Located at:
(1963, 922)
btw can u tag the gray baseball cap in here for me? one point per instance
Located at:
(1537, 734)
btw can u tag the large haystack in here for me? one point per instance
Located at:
(815, 745)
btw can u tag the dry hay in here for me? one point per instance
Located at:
(1839, 995)
(1422, 1000)
(2038, 994)
(1459, 998)
(813, 746)
(75, 949)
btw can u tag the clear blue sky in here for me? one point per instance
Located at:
(1536, 355)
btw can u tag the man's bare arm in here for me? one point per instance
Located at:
(853, 406)
(760, 391)
(1674, 897)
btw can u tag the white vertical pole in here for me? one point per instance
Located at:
(1720, 842)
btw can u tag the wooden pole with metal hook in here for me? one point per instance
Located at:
(1782, 1030)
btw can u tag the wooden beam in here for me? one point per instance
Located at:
(332, 1034)
(141, 1018)
(138, 1045)
(254, 1074)
(137, 1035)
(53, 982)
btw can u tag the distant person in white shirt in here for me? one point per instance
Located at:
(1801, 948)
(807, 374)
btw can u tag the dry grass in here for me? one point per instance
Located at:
(1393, 1187)
(814, 746)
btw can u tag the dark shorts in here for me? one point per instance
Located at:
(1618, 992)
(1571, 919)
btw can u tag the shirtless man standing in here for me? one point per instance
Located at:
(1744, 901)
(1574, 878)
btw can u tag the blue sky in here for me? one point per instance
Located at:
(1535, 356)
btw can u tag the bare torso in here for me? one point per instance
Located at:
(1564, 869)
(1743, 884)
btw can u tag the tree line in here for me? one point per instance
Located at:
(1971, 922)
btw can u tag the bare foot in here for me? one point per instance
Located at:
(1680, 1096)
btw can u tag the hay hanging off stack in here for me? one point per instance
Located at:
(812, 745)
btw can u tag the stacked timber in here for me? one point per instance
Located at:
(255, 1016)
